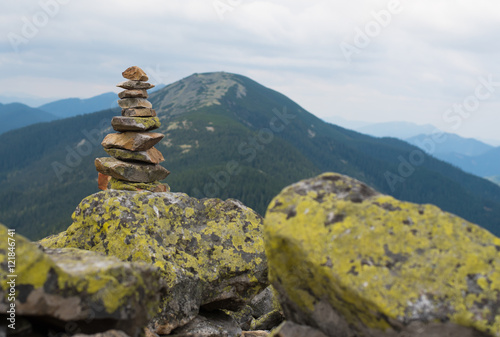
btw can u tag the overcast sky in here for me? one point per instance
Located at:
(365, 60)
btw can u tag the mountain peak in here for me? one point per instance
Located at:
(197, 91)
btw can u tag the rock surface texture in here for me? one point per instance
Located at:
(134, 159)
(92, 291)
(349, 261)
(210, 252)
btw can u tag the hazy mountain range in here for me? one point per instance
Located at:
(469, 154)
(225, 136)
(17, 115)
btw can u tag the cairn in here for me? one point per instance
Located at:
(134, 162)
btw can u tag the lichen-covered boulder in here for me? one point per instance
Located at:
(349, 261)
(90, 290)
(211, 252)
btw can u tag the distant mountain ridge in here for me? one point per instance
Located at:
(71, 107)
(401, 130)
(449, 143)
(226, 136)
(17, 115)
(469, 154)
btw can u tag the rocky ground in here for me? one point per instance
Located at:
(342, 261)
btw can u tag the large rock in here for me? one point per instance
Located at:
(211, 252)
(92, 291)
(133, 172)
(351, 262)
(133, 141)
(138, 124)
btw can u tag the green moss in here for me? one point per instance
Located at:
(379, 257)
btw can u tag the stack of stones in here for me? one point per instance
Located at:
(134, 162)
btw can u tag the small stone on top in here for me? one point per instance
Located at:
(135, 74)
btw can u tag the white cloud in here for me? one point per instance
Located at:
(427, 58)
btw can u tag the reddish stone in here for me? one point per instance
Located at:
(102, 181)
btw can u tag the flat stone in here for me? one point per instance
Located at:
(133, 141)
(133, 172)
(151, 156)
(135, 74)
(132, 85)
(134, 103)
(135, 123)
(133, 94)
(121, 185)
(139, 112)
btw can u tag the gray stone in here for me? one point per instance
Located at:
(130, 103)
(133, 94)
(265, 302)
(210, 252)
(135, 123)
(133, 172)
(268, 321)
(209, 324)
(138, 112)
(133, 141)
(110, 333)
(350, 261)
(290, 329)
(91, 290)
(151, 156)
(133, 85)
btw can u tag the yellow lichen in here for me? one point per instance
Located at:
(379, 257)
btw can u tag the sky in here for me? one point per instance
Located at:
(426, 61)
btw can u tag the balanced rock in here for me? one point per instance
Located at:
(151, 156)
(133, 172)
(139, 112)
(352, 262)
(135, 123)
(210, 252)
(87, 289)
(133, 141)
(128, 103)
(133, 94)
(156, 186)
(135, 74)
(135, 85)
